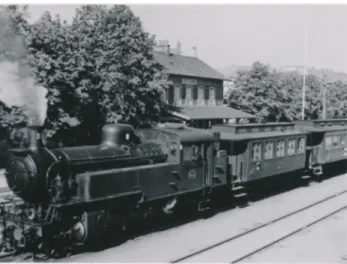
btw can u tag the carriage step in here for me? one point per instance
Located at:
(317, 171)
(204, 205)
(240, 195)
(237, 188)
(305, 177)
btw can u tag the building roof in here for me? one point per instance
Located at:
(186, 65)
(210, 112)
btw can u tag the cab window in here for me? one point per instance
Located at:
(280, 146)
(301, 145)
(256, 151)
(186, 153)
(269, 150)
(291, 147)
(193, 152)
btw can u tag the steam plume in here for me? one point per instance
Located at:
(17, 86)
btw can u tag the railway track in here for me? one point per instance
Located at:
(208, 253)
(241, 246)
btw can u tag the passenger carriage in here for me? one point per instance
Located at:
(326, 144)
(259, 151)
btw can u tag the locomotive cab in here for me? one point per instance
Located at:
(192, 150)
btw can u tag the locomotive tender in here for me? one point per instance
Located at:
(72, 195)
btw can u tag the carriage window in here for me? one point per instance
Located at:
(301, 147)
(269, 150)
(291, 147)
(335, 140)
(280, 148)
(256, 152)
(342, 139)
(328, 142)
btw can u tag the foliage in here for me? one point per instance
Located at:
(274, 96)
(256, 92)
(100, 69)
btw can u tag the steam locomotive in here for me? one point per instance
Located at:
(72, 195)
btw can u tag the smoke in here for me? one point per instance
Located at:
(17, 86)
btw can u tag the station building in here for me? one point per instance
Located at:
(196, 90)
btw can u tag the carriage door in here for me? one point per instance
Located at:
(219, 170)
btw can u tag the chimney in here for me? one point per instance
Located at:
(178, 47)
(34, 137)
(195, 52)
(34, 130)
(168, 49)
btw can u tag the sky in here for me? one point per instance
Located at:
(228, 35)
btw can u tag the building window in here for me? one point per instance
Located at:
(256, 151)
(212, 97)
(291, 147)
(301, 147)
(189, 91)
(177, 94)
(201, 91)
(280, 148)
(269, 150)
(164, 95)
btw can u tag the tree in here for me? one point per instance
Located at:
(257, 91)
(100, 69)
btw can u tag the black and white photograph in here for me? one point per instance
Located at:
(173, 132)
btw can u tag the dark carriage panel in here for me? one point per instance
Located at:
(257, 151)
(327, 140)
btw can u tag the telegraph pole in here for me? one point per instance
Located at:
(324, 99)
(304, 79)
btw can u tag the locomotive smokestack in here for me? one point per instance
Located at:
(34, 136)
